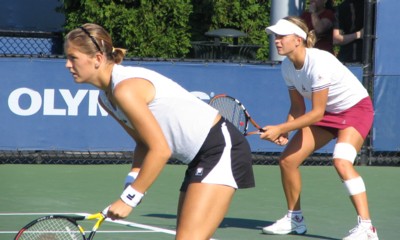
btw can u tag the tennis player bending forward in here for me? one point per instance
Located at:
(341, 108)
(166, 121)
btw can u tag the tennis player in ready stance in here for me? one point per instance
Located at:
(166, 121)
(341, 108)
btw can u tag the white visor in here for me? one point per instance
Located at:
(284, 27)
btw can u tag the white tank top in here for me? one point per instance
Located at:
(184, 119)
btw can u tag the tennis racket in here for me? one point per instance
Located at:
(235, 112)
(59, 227)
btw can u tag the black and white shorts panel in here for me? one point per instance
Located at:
(224, 158)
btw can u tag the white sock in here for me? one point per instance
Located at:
(366, 222)
(292, 214)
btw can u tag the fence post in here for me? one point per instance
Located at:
(368, 71)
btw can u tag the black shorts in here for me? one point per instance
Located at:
(224, 158)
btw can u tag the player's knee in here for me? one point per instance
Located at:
(344, 151)
(343, 167)
(289, 164)
(284, 163)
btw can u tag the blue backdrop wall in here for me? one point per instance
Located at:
(43, 109)
(387, 78)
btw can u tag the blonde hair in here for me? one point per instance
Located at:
(311, 37)
(91, 38)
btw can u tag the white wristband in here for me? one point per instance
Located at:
(130, 178)
(131, 197)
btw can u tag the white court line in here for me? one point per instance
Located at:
(138, 225)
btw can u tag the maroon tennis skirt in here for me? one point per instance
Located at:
(360, 116)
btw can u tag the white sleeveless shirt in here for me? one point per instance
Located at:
(184, 119)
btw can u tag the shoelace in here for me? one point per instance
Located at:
(358, 227)
(285, 219)
(281, 220)
(353, 230)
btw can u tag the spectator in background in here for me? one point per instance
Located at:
(348, 30)
(320, 18)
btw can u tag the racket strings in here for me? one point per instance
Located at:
(52, 229)
(232, 111)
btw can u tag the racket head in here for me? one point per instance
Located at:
(232, 110)
(50, 228)
(60, 227)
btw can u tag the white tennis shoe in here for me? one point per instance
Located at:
(362, 232)
(287, 225)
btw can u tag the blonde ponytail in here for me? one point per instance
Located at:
(311, 37)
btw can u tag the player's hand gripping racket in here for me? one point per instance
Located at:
(235, 112)
(59, 227)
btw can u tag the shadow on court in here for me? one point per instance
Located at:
(226, 223)
(243, 223)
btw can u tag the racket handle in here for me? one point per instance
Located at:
(258, 132)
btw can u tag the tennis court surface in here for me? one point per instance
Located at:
(31, 191)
